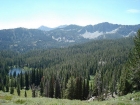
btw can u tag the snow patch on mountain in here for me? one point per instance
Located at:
(89, 35)
(70, 41)
(79, 30)
(66, 40)
(130, 34)
(70, 29)
(113, 31)
(59, 39)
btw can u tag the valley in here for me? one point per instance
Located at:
(69, 52)
(73, 73)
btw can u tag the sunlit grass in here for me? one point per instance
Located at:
(8, 99)
(27, 68)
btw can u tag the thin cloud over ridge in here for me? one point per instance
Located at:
(133, 11)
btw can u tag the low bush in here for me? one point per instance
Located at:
(20, 101)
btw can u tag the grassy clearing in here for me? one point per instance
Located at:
(27, 68)
(7, 99)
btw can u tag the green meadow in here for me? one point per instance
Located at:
(14, 99)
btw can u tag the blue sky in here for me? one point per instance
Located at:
(52, 13)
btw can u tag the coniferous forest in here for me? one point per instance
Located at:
(97, 68)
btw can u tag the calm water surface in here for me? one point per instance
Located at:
(17, 70)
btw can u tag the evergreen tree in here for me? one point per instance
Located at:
(12, 90)
(12, 82)
(70, 88)
(78, 88)
(18, 90)
(84, 90)
(130, 76)
(41, 88)
(98, 83)
(27, 81)
(33, 76)
(7, 88)
(87, 88)
(57, 89)
(7, 84)
(46, 88)
(25, 94)
(33, 91)
(51, 87)
(21, 80)
(37, 78)
(3, 88)
(135, 67)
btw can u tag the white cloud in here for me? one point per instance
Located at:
(133, 11)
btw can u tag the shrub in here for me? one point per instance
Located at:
(7, 97)
(20, 101)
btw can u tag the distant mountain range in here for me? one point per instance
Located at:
(99, 31)
(45, 28)
(22, 39)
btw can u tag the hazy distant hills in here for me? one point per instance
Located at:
(22, 39)
(45, 28)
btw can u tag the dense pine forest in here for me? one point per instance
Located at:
(98, 68)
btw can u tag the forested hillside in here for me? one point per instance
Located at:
(76, 72)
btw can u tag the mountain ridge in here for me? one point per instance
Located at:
(45, 28)
(23, 39)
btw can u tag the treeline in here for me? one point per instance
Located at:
(66, 72)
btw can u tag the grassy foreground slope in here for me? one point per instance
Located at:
(7, 99)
